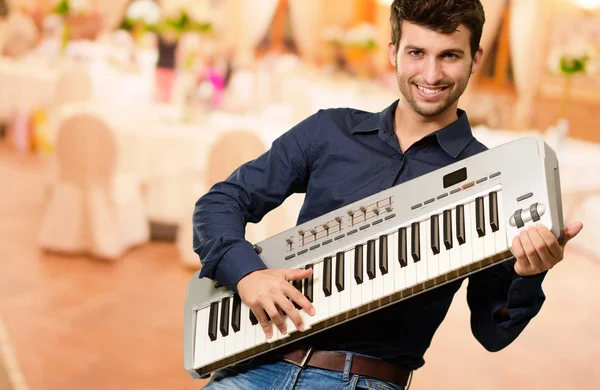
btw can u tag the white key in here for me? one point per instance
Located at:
(345, 295)
(249, 329)
(240, 337)
(388, 279)
(211, 351)
(311, 320)
(400, 273)
(489, 244)
(411, 268)
(230, 339)
(378, 281)
(444, 255)
(201, 338)
(422, 264)
(432, 260)
(476, 242)
(259, 334)
(334, 299)
(356, 290)
(500, 235)
(455, 261)
(367, 284)
(466, 253)
(220, 342)
(323, 310)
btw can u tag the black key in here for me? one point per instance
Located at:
(479, 217)
(383, 254)
(339, 271)
(435, 234)
(371, 259)
(253, 318)
(308, 284)
(460, 224)
(448, 229)
(494, 211)
(236, 313)
(402, 247)
(327, 276)
(224, 325)
(358, 264)
(213, 320)
(415, 241)
(298, 285)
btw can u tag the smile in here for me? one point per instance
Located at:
(430, 91)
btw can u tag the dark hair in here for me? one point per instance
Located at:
(443, 16)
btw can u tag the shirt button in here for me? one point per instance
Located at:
(516, 292)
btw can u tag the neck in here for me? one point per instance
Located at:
(410, 127)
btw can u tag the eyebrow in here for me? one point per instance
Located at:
(455, 50)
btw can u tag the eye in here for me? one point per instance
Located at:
(415, 53)
(450, 55)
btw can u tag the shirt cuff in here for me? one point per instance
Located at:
(236, 263)
(524, 288)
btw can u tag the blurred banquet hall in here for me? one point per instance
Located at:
(117, 115)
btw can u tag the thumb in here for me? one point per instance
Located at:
(296, 274)
(571, 231)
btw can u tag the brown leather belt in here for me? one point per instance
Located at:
(304, 355)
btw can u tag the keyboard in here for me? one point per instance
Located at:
(385, 248)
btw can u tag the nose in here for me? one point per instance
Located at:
(432, 71)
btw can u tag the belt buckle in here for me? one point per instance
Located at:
(302, 364)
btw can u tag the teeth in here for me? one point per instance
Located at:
(429, 91)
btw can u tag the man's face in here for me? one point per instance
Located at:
(433, 69)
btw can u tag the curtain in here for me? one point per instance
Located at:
(305, 19)
(257, 16)
(527, 21)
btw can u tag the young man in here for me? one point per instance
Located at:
(340, 156)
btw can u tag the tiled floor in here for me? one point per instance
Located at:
(77, 323)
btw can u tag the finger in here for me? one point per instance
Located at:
(532, 255)
(296, 296)
(547, 259)
(288, 308)
(522, 264)
(551, 242)
(297, 274)
(276, 317)
(571, 231)
(261, 316)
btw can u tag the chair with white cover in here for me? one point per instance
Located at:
(92, 209)
(227, 153)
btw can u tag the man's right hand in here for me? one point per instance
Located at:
(266, 290)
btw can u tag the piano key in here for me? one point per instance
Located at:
(434, 225)
(367, 285)
(399, 273)
(320, 297)
(327, 273)
(388, 276)
(402, 247)
(443, 254)
(479, 216)
(213, 320)
(448, 229)
(493, 197)
(249, 328)
(355, 287)
(455, 250)
(377, 281)
(210, 344)
(371, 259)
(311, 294)
(476, 240)
(460, 224)
(489, 244)
(466, 250)
(230, 339)
(253, 318)
(298, 285)
(422, 245)
(383, 254)
(308, 284)
(200, 342)
(410, 269)
(219, 343)
(334, 299)
(346, 293)
(240, 337)
(236, 312)
(432, 259)
(416, 241)
(501, 241)
(224, 323)
(339, 271)
(358, 264)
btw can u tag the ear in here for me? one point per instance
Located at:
(392, 53)
(477, 59)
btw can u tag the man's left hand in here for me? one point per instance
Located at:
(537, 250)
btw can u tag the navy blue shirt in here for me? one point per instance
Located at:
(336, 157)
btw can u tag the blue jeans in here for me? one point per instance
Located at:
(270, 374)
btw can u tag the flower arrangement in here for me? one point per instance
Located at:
(353, 47)
(362, 36)
(142, 16)
(188, 16)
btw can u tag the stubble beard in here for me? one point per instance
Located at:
(432, 109)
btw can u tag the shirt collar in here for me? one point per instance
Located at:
(452, 138)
